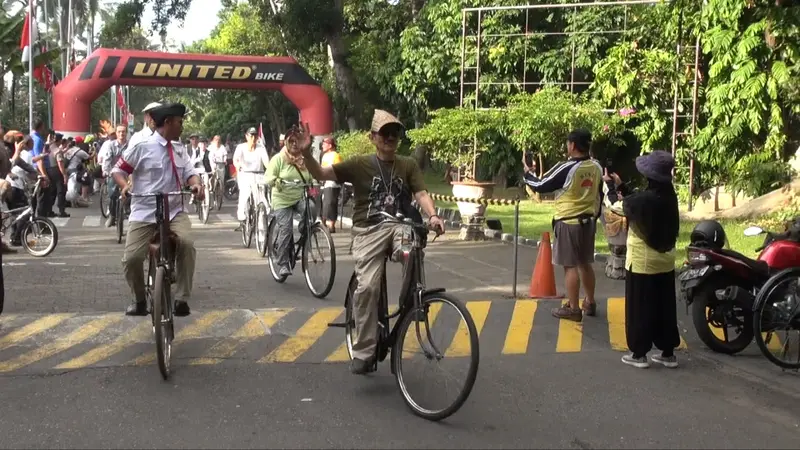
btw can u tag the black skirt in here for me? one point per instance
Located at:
(330, 203)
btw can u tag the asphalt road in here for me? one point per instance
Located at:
(255, 366)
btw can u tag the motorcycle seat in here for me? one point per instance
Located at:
(756, 265)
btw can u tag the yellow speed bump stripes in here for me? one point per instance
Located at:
(295, 346)
(85, 332)
(43, 324)
(461, 345)
(139, 333)
(194, 330)
(519, 330)
(257, 326)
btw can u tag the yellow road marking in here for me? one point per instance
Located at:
(570, 336)
(254, 328)
(411, 346)
(461, 345)
(519, 330)
(192, 331)
(97, 354)
(616, 324)
(295, 346)
(76, 337)
(35, 327)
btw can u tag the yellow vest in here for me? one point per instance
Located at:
(581, 193)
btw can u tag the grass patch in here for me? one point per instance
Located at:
(535, 219)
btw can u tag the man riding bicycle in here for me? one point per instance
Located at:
(383, 182)
(288, 165)
(110, 153)
(159, 164)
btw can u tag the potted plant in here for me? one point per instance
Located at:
(458, 136)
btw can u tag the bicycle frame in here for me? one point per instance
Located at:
(162, 223)
(24, 212)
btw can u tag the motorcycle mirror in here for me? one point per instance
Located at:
(753, 231)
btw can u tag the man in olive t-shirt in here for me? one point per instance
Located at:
(383, 182)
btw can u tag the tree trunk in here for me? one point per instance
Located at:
(343, 74)
(13, 93)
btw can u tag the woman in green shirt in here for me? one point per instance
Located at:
(287, 165)
(653, 225)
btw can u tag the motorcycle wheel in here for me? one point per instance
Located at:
(703, 303)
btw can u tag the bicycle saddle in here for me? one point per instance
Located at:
(172, 242)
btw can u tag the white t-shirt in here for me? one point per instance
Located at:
(21, 178)
(219, 155)
(247, 161)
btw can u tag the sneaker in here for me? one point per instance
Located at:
(666, 361)
(565, 312)
(285, 271)
(639, 363)
(110, 222)
(362, 367)
(589, 309)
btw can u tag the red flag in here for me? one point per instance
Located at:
(25, 41)
(122, 106)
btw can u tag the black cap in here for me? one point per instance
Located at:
(252, 131)
(168, 110)
(194, 135)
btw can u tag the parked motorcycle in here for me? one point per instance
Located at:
(721, 284)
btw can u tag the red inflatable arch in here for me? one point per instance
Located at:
(72, 97)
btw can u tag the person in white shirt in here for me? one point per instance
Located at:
(159, 164)
(112, 151)
(219, 158)
(250, 161)
(148, 128)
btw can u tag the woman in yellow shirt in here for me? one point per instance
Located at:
(331, 189)
(653, 226)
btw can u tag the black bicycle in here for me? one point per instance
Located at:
(218, 187)
(159, 279)
(248, 225)
(776, 319)
(123, 212)
(262, 218)
(31, 228)
(308, 247)
(419, 308)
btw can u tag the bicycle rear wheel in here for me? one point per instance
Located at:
(776, 323)
(162, 313)
(262, 223)
(418, 346)
(318, 250)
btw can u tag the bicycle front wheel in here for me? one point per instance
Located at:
(218, 195)
(776, 323)
(205, 209)
(261, 229)
(162, 316)
(39, 231)
(417, 343)
(120, 220)
(104, 202)
(272, 252)
(319, 261)
(247, 226)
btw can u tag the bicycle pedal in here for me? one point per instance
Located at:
(337, 324)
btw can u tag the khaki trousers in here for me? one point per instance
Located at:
(370, 248)
(136, 249)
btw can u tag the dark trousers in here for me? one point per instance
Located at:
(57, 191)
(330, 203)
(650, 313)
(17, 200)
(43, 200)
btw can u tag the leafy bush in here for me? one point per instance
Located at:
(354, 143)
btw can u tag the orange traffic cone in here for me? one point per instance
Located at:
(543, 280)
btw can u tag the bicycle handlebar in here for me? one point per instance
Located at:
(155, 194)
(401, 220)
(299, 183)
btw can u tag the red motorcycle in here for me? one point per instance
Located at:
(721, 285)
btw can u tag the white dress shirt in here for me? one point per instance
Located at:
(111, 151)
(219, 155)
(150, 165)
(255, 161)
(140, 136)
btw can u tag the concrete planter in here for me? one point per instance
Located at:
(472, 190)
